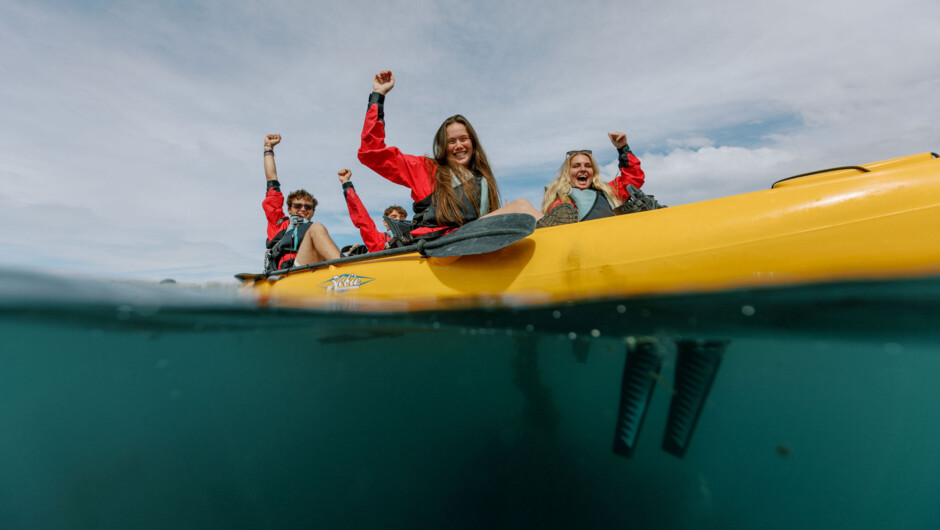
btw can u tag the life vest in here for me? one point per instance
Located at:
(591, 204)
(426, 215)
(399, 232)
(287, 241)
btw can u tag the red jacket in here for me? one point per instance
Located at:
(415, 172)
(278, 221)
(373, 239)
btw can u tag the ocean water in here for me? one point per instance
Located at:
(155, 406)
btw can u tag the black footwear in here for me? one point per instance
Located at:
(564, 213)
(638, 202)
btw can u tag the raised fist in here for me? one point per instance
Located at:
(619, 139)
(383, 82)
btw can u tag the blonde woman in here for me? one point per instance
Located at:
(579, 183)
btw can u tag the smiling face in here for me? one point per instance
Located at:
(458, 146)
(581, 171)
(302, 207)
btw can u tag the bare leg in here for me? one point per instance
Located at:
(317, 246)
(518, 206)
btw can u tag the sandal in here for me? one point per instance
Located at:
(562, 214)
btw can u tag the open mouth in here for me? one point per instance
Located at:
(583, 181)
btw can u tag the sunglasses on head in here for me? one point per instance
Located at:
(301, 205)
(578, 152)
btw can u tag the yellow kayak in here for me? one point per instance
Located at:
(875, 221)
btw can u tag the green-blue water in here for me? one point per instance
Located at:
(155, 407)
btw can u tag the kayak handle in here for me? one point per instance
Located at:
(840, 168)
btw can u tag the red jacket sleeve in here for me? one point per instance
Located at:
(630, 173)
(373, 239)
(390, 162)
(273, 205)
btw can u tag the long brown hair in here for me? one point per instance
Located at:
(443, 197)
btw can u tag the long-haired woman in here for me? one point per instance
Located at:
(454, 187)
(579, 182)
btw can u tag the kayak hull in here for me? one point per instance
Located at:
(862, 223)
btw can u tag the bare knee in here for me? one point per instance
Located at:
(316, 229)
(521, 206)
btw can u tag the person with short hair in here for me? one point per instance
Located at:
(579, 182)
(398, 211)
(293, 240)
(451, 189)
(371, 237)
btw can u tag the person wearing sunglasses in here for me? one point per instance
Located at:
(579, 182)
(452, 188)
(293, 240)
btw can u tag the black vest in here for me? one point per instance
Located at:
(600, 209)
(286, 241)
(427, 215)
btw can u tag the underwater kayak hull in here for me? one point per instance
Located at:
(863, 222)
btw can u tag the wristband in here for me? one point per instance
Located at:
(379, 101)
(623, 160)
(269, 152)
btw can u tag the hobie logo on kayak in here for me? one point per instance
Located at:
(345, 282)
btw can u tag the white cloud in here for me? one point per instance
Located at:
(688, 175)
(693, 142)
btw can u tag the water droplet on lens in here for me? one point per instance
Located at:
(748, 310)
(893, 348)
(556, 314)
(595, 333)
(621, 309)
(572, 335)
(124, 312)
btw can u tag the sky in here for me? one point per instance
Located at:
(131, 134)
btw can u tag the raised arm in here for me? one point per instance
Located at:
(273, 203)
(270, 171)
(371, 236)
(388, 161)
(630, 170)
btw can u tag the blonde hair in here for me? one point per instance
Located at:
(444, 197)
(560, 188)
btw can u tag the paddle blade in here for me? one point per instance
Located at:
(640, 373)
(481, 236)
(696, 367)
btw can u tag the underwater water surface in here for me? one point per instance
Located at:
(146, 406)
